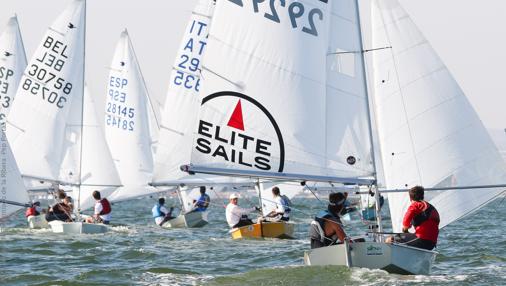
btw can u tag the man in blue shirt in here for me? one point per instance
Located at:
(203, 202)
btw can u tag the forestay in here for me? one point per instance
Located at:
(12, 64)
(50, 85)
(127, 121)
(428, 131)
(11, 184)
(276, 96)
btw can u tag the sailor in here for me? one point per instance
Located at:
(282, 210)
(327, 229)
(59, 211)
(424, 218)
(237, 216)
(102, 210)
(160, 213)
(203, 202)
(33, 210)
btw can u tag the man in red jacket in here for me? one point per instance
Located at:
(424, 218)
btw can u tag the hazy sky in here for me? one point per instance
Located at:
(469, 35)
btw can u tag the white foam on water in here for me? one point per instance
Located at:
(365, 276)
(173, 279)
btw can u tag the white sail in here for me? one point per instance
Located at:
(98, 171)
(11, 184)
(12, 64)
(281, 101)
(52, 82)
(127, 127)
(428, 131)
(181, 106)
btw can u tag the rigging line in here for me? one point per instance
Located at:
(361, 51)
(394, 62)
(151, 104)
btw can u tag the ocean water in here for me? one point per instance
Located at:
(137, 252)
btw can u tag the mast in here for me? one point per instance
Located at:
(82, 116)
(373, 159)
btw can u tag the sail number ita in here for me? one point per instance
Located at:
(119, 115)
(41, 77)
(296, 12)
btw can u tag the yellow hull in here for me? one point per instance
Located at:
(266, 229)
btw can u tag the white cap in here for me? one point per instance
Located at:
(233, 196)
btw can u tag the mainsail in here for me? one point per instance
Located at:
(428, 131)
(286, 101)
(127, 127)
(50, 85)
(12, 64)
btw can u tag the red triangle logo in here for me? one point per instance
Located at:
(235, 120)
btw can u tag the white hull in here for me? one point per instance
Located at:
(393, 258)
(193, 219)
(77, 227)
(37, 222)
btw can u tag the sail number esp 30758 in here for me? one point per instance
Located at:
(296, 12)
(41, 77)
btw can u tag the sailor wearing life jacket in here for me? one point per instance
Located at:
(282, 210)
(202, 203)
(102, 212)
(160, 213)
(34, 210)
(424, 218)
(327, 229)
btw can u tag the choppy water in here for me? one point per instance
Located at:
(472, 252)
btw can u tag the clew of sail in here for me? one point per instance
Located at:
(283, 101)
(428, 131)
(52, 82)
(127, 127)
(12, 64)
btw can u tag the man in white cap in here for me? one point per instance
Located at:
(237, 216)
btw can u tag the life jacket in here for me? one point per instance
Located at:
(316, 230)
(157, 212)
(31, 211)
(425, 215)
(106, 206)
(286, 203)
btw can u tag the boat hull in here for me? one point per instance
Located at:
(77, 227)
(37, 222)
(393, 258)
(190, 220)
(280, 229)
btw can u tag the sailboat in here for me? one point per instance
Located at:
(52, 125)
(127, 123)
(429, 135)
(297, 72)
(12, 63)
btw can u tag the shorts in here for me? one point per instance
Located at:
(411, 239)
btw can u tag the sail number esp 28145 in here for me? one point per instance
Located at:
(296, 12)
